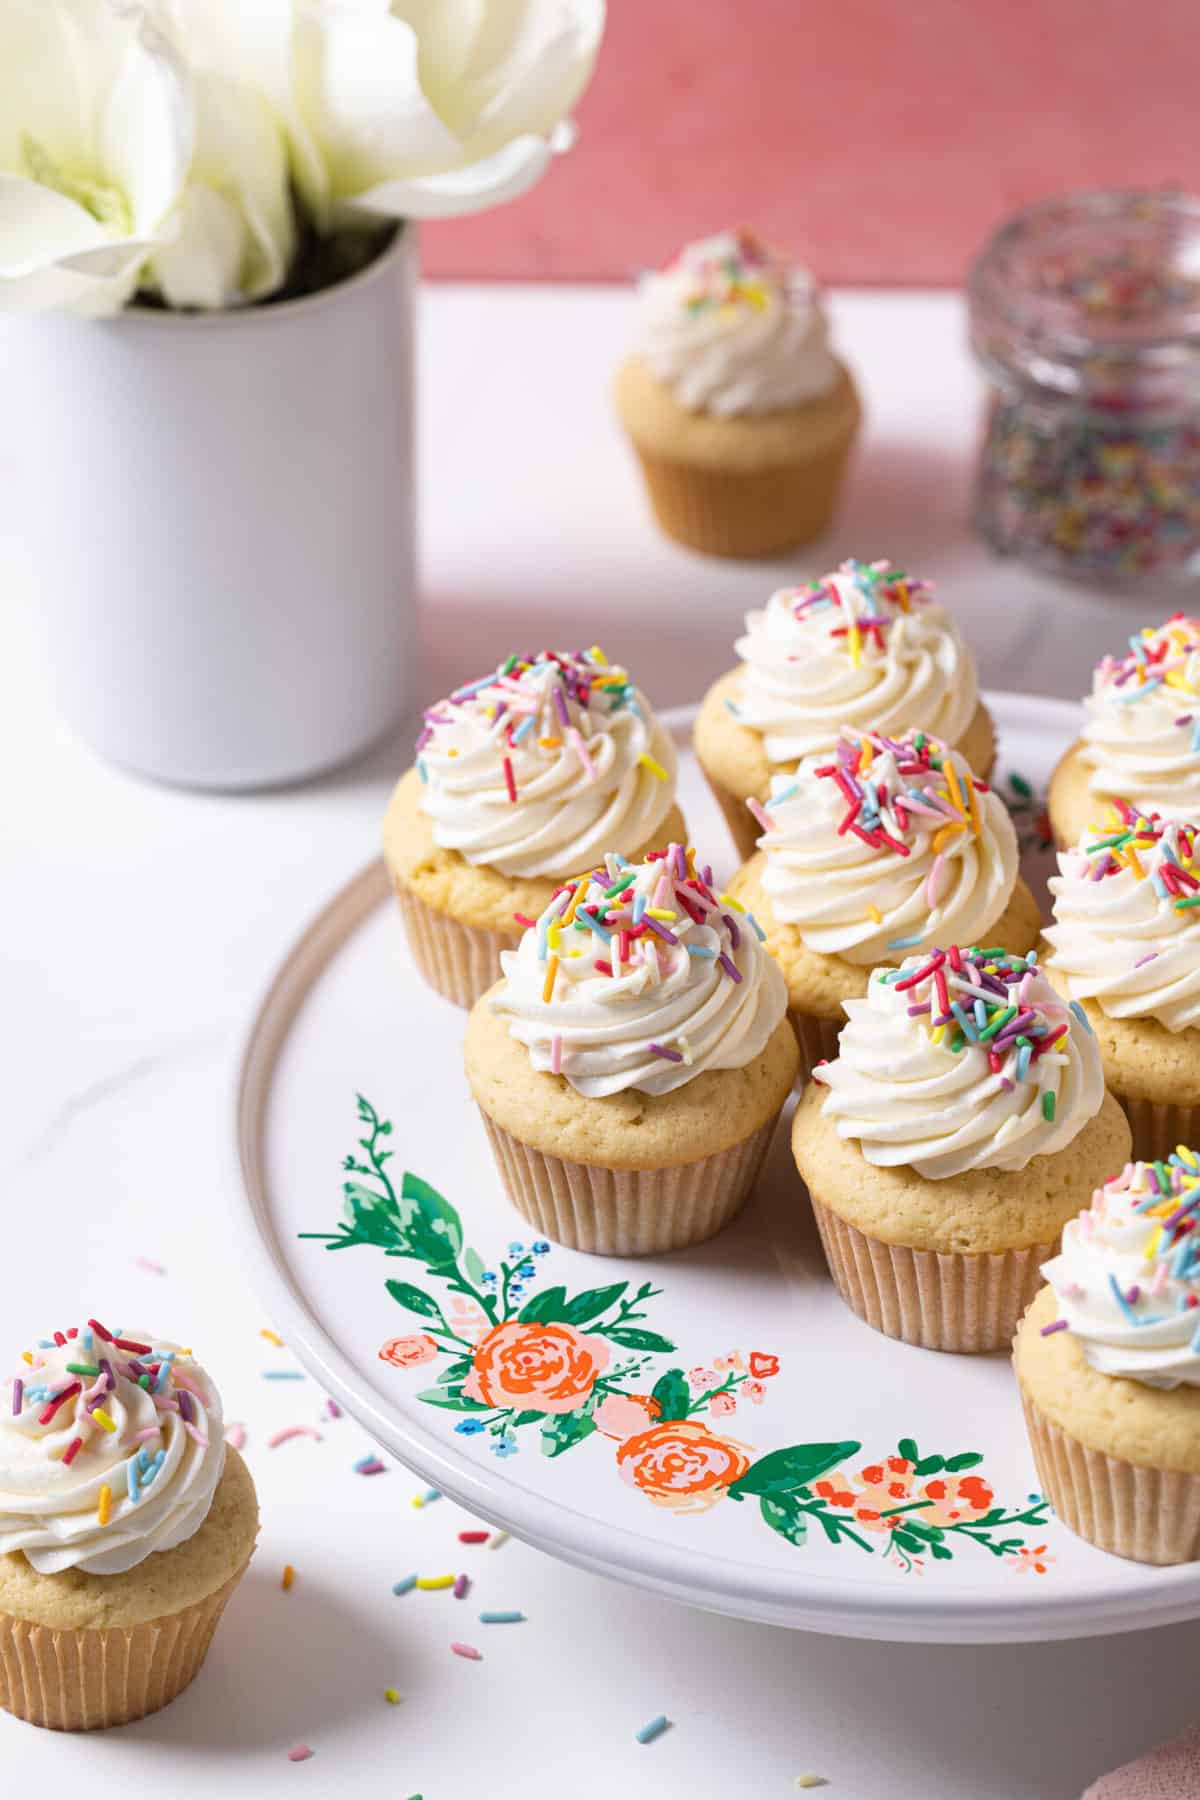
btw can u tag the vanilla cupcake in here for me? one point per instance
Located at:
(1125, 946)
(1141, 743)
(631, 1064)
(867, 648)
(741, 415)
(522, 779)
(962, 1124)
(125, 1525)
(887, 846)
(1108, 1363)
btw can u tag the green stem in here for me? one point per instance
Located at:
(727, 1387)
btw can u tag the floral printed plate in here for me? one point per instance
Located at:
(714, 1424)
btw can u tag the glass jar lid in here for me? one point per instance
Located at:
(1094, 296)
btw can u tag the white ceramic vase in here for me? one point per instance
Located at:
(215, 515)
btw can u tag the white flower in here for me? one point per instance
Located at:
(96, 132)
(235, 228)
(431, 108)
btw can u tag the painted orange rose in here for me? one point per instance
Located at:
(408, 1352)
(539, 1368)
(680, 1464)
(622, 1416)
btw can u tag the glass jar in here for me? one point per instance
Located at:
(1085, 316)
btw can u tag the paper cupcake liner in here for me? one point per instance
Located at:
(745, 513)
(627, 1212)
(939, 1300)
(459, 961)
(1157, 1128)
(88, 1680)
(1149, 1515)
(817, 1038)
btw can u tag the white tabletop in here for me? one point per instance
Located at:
(139, 923)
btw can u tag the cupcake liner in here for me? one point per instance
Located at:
(817, 1038)
(939, 1300)
(459, 961)
(746, 513)
(627, 1212)
(1158, 1128)
(1149, 1515)
(88, 1680)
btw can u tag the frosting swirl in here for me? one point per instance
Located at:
(864, 647)
(891, 844)
(1127, 1280)
(962, 1059)
(731, 328)
(639, 975)
(1142, 737)
(545, 765)
(1126, 929)
(111, 1448)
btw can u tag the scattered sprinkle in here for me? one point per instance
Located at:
(502, 1618)
(405, 1585)
(473, 1537)
(432, 1582)
(499, 1539)
(292, 1431)
(654, 1728)
(391, 1696)
(235, 1436)
(369, 1465)
(272, 1337)
(300, 1753)
(810, 1781)
(427, 1498)
(287, 1578)
(283, 1375)
(462, 1583)
(152, 1268)
(467, 1650)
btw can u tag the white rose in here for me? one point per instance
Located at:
(96, 129)
(413, 110)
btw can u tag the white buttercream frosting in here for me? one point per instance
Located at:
(1126, 931)
(730, 328)
(645, 987)
(865, 647)
(887, 844)
(959, 1060)
(100, 1470)
(1127, 1279)
(1142, 737)
(546, 764)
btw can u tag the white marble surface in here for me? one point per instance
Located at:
(138, 924)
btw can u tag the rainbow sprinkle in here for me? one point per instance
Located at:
(1150, 848)
(984, 999)
(1159, 657)
(729, 275)
(865, 600)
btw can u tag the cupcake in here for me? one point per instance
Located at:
(1141, 743)
(631, 1064)
(962, 1124)
(125, 1525)
(866, 647)
(1108, 1363)
(741, 416)
(522, 778)
(1125, 947)
(889, 845)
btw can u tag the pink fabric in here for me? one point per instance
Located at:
(880, 142)
(1170, 1773)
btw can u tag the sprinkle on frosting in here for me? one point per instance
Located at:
(550, 758)
(867, 646)
(1159, 656)
(962, 1059)
(864, 605)
(1126, 931)
(110, 1449)
(1142, 738)
(729, 274)
(1128, 1277)
(640, 975)
(890, 843)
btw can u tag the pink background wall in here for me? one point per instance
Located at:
(878, 139)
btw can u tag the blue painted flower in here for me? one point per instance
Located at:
(515, 1249)
(526, 1271)
(540, 1248)
(505, 1445)
(488, 1278)
(469, 1427)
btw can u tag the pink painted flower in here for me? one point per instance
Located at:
(702, 1378)
(721, 1405)
(621, 1416)
(955, 1499)
(467, 1318)
(1032, 1560)
(755, 1392)
(681, 1465)
(409, 1352)
(731, 1360)
(533, 1367)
